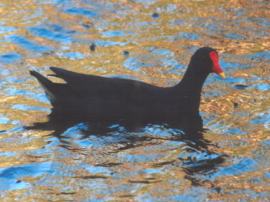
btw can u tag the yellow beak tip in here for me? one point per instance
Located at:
(222, 75)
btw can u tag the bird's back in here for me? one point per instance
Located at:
(95, 98)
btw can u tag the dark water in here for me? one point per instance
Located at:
(146, 40)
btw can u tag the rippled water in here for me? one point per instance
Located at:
(152, 41)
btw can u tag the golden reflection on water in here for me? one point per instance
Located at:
(142, 32)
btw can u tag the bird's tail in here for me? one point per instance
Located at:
(45, 83)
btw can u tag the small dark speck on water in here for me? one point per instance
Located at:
(18, 181)
(218, 189)
(92, 47)
(235, 104)
(86, 26)
(125, 53)
(155, 15)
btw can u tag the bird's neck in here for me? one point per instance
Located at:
(193, 81)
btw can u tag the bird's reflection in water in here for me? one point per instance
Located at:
(197, 156)
(199, 160)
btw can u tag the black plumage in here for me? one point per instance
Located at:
(89, 98)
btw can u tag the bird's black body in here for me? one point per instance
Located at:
(88, 98)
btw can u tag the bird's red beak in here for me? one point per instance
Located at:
(216, 66)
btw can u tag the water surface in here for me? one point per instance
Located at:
(150, 41)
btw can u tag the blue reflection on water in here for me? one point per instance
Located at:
(59, 28)
(72, 55)
(13, 80)
(265, 55)
(159, 130)
(5, 29)
(8, 154)
(195, 158)
(12, 184)
(195, 194)
(4, 72)
(82, 11)
(261, 21)
(34, 169)
(235, 131)
(152, 170)
(4, 119)
(24, 107)
(55, 33)
(187, 35)
(115, 33)
(9, 58)
(27, 44)
(60, 1)
(9, 177)
(267, 174)
(41, 97)
(236, 80)
(145, 2)
(75, 129)
(211, 27)
(163, 57)
(266, 142)
(262, 86)
(230, 66)
(135, 64)
(262, 118)
(139, 158)
(122, 76)
(96, 169)
(242, 166)
(109, 43)
(164, 52)
(234, 36)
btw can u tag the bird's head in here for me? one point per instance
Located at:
(208, 61)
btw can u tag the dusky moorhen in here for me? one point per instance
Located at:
(115, 100)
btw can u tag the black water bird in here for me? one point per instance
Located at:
(95, 99)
